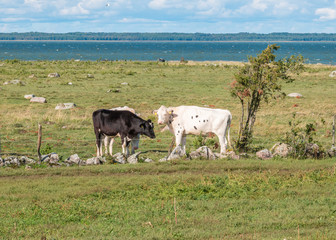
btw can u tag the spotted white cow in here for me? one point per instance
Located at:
(109, 140)
(185, 120)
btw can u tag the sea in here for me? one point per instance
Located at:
(312, 52)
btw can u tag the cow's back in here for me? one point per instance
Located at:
(111, 122)
(196, 119)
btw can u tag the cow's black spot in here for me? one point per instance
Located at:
(197, 116)
(178, 131)
(191, 117)
(195, 127)
(203, 120)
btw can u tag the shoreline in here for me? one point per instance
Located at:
(174, 41)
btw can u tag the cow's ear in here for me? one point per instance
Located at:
(170, 111)
(150, 123)
(155, 112)
(142, 125)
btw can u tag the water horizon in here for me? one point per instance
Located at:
(93, 50)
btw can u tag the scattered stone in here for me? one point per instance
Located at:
(15, 82)
(10, 161)
(124, 83)
(176, 153)
(64, 106)
(119, 158)
(281, 149)
(69, 83)
(295, 95)
(161, 60)
(148, 160)
(332, 152)
(165, 159)
(32, 76)
(26, 160)
(52, 159)
(332, 74)
(95, 161)
(203, 152)
(38, 100)
(29, 96)
(27, 167)
(312, 150)
(264, 154)
(90, 76)
(133, 158)
(74, 160)
(115, 90)
(54, 75)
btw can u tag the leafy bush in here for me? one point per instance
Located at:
(299, 137)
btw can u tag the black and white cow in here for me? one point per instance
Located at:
(126, 124)
(109, 140)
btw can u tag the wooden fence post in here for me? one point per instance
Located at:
(333, 133)
(39, 141)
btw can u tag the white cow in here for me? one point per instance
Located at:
(185, 120)
(108, 140)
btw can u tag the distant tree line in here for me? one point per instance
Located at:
(102, 36)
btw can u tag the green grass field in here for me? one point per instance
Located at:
(221, 199)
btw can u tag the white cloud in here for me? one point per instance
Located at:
(326, 13)
(75, 10)
(162, 4)
(140, 20)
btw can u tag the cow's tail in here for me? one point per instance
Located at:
(228, 129)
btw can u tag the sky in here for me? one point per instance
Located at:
(188, 16)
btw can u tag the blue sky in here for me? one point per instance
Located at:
(206, 16)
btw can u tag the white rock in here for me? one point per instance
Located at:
(203, 152)
(38, 100)
(54, 75)
(95, 161)
(133, 158)
(295, 95)
(148, 160)
(74, 159)
(29, 96)
(64, 106)
(124, 83)
(15, 82)
(176, 153)
(332, 74)
(281, 149)
(264, 154)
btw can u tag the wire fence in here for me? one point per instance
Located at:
(87, 146)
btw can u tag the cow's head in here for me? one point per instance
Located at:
(148, 128)
(164, 114)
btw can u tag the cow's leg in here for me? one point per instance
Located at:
(106, 142)
(111, 146)
(222, 142)
(184, 141)
(98, 141)
(178, 139)
(101, 146)
(124, 145)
